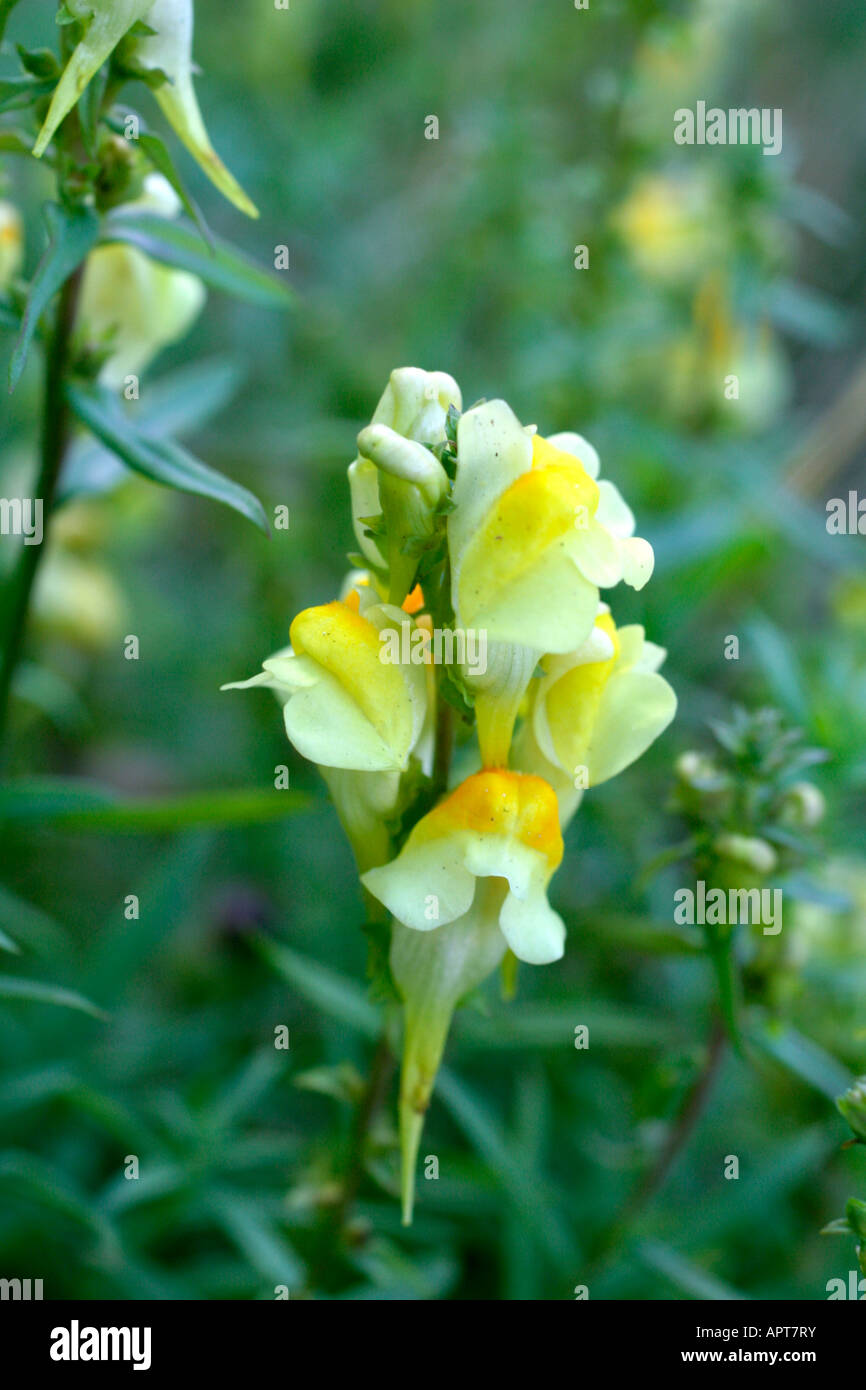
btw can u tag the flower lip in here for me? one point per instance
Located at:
(498, 802)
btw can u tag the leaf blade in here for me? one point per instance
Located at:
(39, 992)
(174, 244)
(162, 460)
(82, 806)
(72, 233)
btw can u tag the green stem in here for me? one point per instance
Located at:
(55, 437)
(374, 1095)
(683, 1127)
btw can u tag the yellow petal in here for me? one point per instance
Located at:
(509, 804)
(347, 646)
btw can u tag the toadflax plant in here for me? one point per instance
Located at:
(465, 689)
(122, 274)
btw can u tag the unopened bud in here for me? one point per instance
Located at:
(694, 767)
(855, 1210)
(804, 805)
(852, 1106)
(749, 850)
(404, 458)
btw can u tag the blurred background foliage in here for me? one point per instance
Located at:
(458, 254)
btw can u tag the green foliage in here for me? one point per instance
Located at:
(159, 459)
(140, 778)
(72, 234)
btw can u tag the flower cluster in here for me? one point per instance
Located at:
(469, 522)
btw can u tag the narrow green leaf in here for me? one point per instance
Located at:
(245, 1089)
(802, 1056)
(38, 992)
(7, 944)
(334, 994)
(191, 395)
(85, 806)
(177, 403)
(33, 928)
(531, 1194)
(176, 244)
(17, 93)
(72, 233)
(839, 1226)
(551, 1024)
(248, 1227)
(6, 8)
(157, 152)
(162, 460)
(683, 1274)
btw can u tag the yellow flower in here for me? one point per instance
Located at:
(11, 243)
(668, 226)
(534, 535)
(139, 306)
(78, 600)
(595, 711)
(496, 824)
(475, 869)
(345, 706)
(359, 717)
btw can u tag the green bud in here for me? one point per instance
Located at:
(404, 458)
(852, 1105)
(757, 854)
(855, 1210)
(803, 805)
(695, 768)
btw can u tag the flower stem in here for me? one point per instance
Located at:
(55, 437)
(376, 1090)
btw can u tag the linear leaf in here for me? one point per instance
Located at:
(86, 806)
(7, 944)
(33, 928)
(157, 153)
(804, 1057)
(162, 460)
(72, 232)
(175, 244)
(6, 8)
(38, 992)
(334, 994)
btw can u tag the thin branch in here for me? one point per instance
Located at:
(55, 438)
